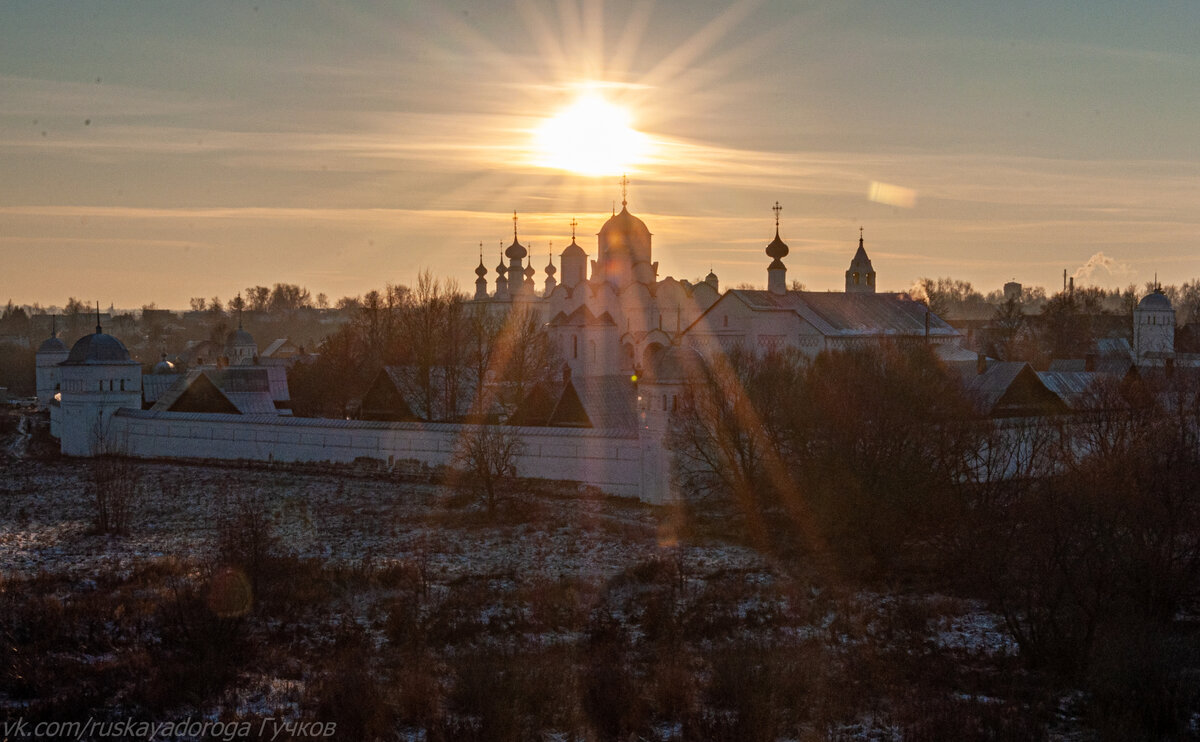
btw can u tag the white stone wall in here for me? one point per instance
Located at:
(607, 460)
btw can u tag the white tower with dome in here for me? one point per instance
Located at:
(50, 353)
(98, 378)
(1153, 328)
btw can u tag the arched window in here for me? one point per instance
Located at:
(856, 279)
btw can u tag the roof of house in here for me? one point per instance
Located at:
(407, 384)
(245, 389)
(849, 315)
(1072, 387)
(605, 401)
(156, 385)
(1007, 389)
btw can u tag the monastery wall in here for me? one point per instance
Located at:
(615, 463)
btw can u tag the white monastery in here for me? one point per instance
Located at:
(627, 336)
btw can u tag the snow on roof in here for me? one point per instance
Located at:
(840, 314)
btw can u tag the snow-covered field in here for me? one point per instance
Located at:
(536, 579)
(46, 524)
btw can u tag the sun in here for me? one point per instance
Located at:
(591, 137)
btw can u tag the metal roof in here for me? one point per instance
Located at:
(336, 424)
(98, 348)
(851, 315)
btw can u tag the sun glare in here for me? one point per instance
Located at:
(591, 137)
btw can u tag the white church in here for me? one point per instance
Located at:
(627, 336)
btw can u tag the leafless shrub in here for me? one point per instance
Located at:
(487, 455)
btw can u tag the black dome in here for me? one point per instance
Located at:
(97, 348)
(52, 345)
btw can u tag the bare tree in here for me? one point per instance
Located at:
(115, 482)
(487, 455)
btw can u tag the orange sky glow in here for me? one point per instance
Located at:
(156, 152)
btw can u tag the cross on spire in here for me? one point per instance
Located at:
(573, 223)
(624, 189)
(514, 225)
(777, 208)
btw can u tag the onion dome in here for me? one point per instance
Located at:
(529, 271)
(550, 269)
(778, 249)
(480, 270)
(516, 250)
(502, 269)
(711, 277)
(164, 366)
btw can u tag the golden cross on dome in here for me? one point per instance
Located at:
(573, 223)
(777, 208)
(514, 225)
(624, 189)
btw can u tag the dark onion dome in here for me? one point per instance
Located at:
(530, 271)
(97, 348)
(550, 269)
(711, 277)
(480, 270)
(502, 268)
(1156, 300)
(52, 345)
(778, 248)
(164, 366)
(515, 250)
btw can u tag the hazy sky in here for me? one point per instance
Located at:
(151, 152)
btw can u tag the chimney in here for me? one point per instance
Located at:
(980, 363)
(1071, 286)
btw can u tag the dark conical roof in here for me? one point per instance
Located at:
(861, 262)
